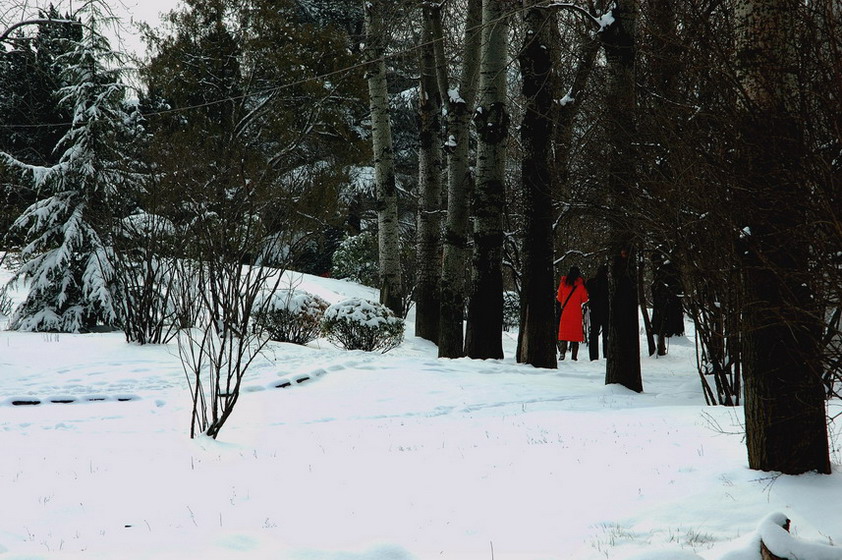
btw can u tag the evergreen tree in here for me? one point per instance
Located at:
(345, 14)
(33, 119)
(67, 259)
(260, 87)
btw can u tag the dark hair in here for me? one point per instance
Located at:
(572, 275)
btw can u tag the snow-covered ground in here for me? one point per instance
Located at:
(391, 456)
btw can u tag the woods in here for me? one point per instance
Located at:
(468, 148)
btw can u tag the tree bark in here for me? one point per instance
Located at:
(537, 335)
(665, 68)
(485, 307)
(459, 103)
(391, 288)
(786, 426)
(644, 311)
(623, 355)
(429, 184)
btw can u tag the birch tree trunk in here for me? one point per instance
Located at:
(786, 424)
(537, 335)
(485, 305)
(459, 103)
(388, 235)
(429, 183)
(623, 355)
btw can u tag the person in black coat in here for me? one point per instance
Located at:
(667, 309)
(598, 291)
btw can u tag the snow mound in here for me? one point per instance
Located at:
(773, 531)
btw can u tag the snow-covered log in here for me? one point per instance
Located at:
(773, 541)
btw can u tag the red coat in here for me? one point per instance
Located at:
(570, 325)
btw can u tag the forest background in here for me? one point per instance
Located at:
(450, 153)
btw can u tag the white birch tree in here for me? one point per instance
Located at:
(391, 286)
(485, 307)
(459, 102)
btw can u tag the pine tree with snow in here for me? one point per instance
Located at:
(33, 121)
(67, 258)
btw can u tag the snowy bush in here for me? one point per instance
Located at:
(359, 324)
(356, 259)
(291, 315)
(511, 310)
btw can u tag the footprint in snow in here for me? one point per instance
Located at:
(35, 401)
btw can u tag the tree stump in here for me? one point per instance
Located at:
(766, 554)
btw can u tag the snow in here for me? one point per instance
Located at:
(294, 300)
(361, 181)
(362, 311)
(336, 455)
(567, 99)
(605, 20)
(774, 533)
(454, 96)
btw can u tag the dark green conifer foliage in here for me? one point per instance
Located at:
(33, 120)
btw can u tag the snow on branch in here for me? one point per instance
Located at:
(39, 173)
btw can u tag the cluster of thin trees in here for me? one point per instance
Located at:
(693, 146)
(702, 138)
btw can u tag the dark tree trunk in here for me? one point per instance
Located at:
(644, 311)
(429, 187)
(785, 412)
(665, 66)
(537, 336)
(485, 308)
(623, 356)
(786, 424)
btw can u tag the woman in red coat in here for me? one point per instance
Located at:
(572, 294)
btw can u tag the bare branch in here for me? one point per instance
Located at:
(39, 21)
(578, 9)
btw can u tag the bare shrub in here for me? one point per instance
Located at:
(147, 279)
